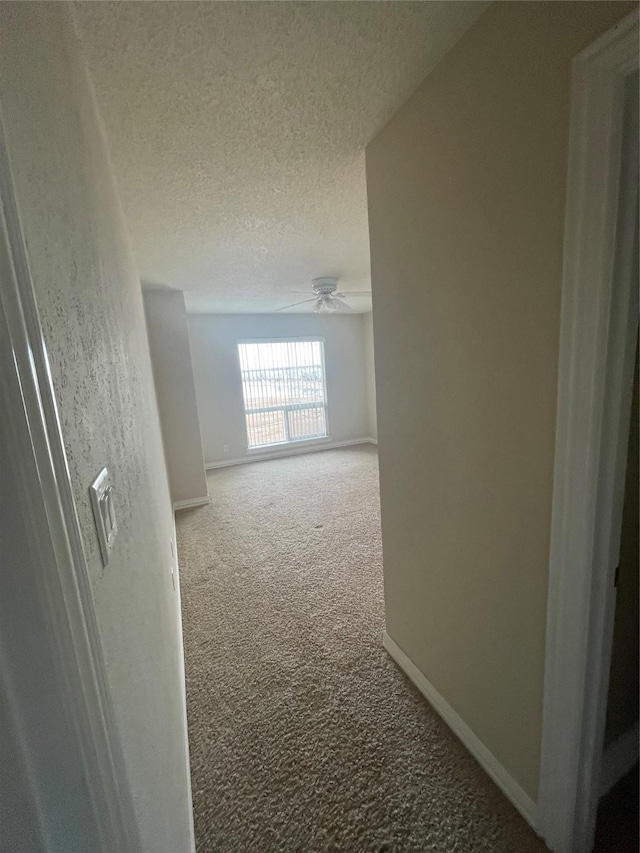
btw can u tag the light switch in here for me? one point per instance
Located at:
(101, 491)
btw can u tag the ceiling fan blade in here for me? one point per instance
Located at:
(293, 304)
(343, 305)
(354, 293)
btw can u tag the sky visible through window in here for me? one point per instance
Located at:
(279, 354)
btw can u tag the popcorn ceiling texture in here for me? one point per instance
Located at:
(90, 306)
(237, 132)
(304, 734)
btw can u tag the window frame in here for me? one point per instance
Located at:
(290, 442)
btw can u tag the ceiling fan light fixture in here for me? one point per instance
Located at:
(325, 305)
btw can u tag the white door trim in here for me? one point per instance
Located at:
(597, 338)
(61, 589)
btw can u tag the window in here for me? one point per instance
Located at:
(284, 391)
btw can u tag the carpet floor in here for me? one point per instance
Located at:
(304, 734)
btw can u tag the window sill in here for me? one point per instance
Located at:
(299, 442)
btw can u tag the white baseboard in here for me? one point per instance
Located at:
(287, 451)
(489, 763)
(190, 503)
(618, 759)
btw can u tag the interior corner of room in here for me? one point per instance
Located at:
(200, 390)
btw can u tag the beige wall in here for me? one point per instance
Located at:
(370, 369)
(175, 391)
(214, 339)
(90, 305)
(466, 189)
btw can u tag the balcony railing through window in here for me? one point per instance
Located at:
(283, 386)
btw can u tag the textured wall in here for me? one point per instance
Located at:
(216, 369)
(176, 394)
(90, 304)
(466, 189)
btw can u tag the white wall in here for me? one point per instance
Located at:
(90, 305)
(370, 368)
(175, 391)
(216, 370)
(466, 188)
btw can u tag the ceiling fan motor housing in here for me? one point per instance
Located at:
(325, 286)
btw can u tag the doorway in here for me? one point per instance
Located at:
(597, 352)
(617, 819)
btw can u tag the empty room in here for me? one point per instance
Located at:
(319, 434)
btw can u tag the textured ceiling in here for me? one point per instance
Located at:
(237, 132)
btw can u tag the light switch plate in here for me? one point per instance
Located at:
(101, 491)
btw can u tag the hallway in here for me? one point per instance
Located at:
(304, 735)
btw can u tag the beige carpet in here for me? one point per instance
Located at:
(304, 734)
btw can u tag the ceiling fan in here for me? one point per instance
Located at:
(327, 299)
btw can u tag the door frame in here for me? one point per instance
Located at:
(599, 318)
(59, 577)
